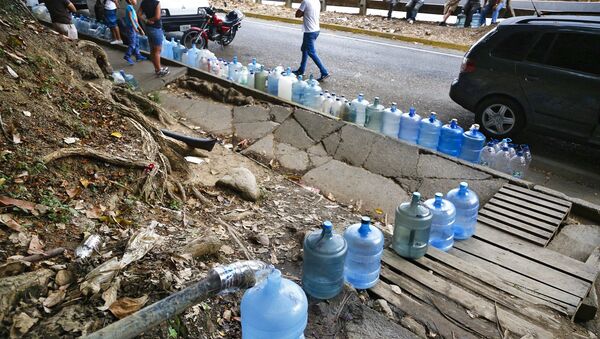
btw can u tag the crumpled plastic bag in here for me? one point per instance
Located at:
(140, 244)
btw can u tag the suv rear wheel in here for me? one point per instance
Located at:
(500, 117)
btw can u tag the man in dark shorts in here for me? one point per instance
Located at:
(149, 11)
(60, 13)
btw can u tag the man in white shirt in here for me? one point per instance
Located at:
(309, 11)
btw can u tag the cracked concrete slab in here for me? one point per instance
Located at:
(485, 189)
(355, 145)
(317, 125)
(290, 132)
(291, 158)
(392, 158)
(254, 130)
(262, 149)
(331, 143)
(173, 102)
(280, 113)
(433, 166)
(253, 113)
(213, 116)
(576, 241)
(350, 184)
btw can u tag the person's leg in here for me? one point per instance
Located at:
(304, 50)
(131, 48)
(415, 10)
(390, 10)
(312, 52)
(484, 12)
(408, 8)
(496, 12)
(468, 13)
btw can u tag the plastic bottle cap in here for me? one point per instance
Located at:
(438, 199)
(416, 196)
(463, 186)
(432, 116)
(520, 153)
(327, 226)
(365, 220)
(491, 144)
(505, 148)
(412, 111)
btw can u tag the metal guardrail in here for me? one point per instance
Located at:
(521, 7)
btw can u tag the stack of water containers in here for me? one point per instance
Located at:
(504, 156)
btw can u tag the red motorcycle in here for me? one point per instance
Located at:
(213, 28)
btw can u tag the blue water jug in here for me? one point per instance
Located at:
(363, 261)
(429, 131)
(442, 222)
(412, 226)
(254, 66)
(192, 55)
(451, 138)
(178, 49)
(323, 268)
(472, 144)
(130, 80)
(409, 126)
(273, 80)
(390, 125)
(475, 21)
(275, 308)
(466, 203)
(311, 92)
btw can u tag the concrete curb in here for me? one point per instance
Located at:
(392, 36)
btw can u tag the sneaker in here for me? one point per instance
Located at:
(296, 73)
(442, 24)
(162, 72)
(323, 77)
(140, 58)
(411, 21)
(128, 59)
(116, 42)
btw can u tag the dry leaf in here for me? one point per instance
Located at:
(8, 220)
(12, 268)
(274, 260)
(227, 249)
(12, 72)
(126, 306)
(110, 295)
(73, 192)
(54, 298)
(22, 204)
(378, 211)
(116, 134)
(36, 246)
(84, 182)
(93, 213)
(16, 138)
(22, 322)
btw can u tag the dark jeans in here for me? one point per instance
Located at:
(134, 43)
(470, 9)
(308, 50)
(412, 8)
(391, 9)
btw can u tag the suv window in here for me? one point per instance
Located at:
(515, 46)
(539, 51)
(577, 52)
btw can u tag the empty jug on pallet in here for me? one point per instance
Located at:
(411, 228)
(360, 108)
(323, 266)
(275, 308)
(472, 144)
(409, 126)
(466, 203)
(374, 115)
(363, 260)
(451, 138)
(391, 121)
(429, 131)
(443, 215)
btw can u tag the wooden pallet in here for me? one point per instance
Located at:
(529, 215)
(480, 290)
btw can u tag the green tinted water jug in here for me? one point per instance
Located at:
(411, 228)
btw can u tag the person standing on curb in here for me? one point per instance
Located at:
(449, 7)
(412, 8)
(470, 8)
(150, 12)
(133, 29)
(393, 4)
(60, 14)
(110, 16)
(309, 11)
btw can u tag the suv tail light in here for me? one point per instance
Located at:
(467, 66)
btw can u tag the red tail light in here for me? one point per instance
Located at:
(467, 65)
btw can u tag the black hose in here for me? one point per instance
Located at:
(205, 144)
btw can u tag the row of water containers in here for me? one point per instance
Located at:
(278, 308)
(504, 156)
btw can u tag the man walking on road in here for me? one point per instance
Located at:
(309, 11)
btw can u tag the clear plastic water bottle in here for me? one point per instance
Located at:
(363, 260)
(501, 144)
(442, 221)
(429, 131)
(260, 79)
(311, 93)
(254, 66)
(323, 267)
(451, 138)
(251, 79)
(360, 107)
(391, 121)
(409, 126)
(273, 80)
(518, 165)
(336, 107)
(275, 308)
(412, 226)
(130, 80)
(234, 65)
(502, 160)
(319, 101)
(472, 144)
(466, 203)
(192, 54)
(326, 106)
(527, 153)
(374, 115)
(298, 89)
(487, 155)
(243, 76)
(285, 85)
(475, 21)
(350, 115)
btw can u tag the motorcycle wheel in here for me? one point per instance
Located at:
(194, 37)
(228, 38)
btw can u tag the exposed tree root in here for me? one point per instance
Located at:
(145, 105)
(216, 91)
(86, 152)
(98, 53)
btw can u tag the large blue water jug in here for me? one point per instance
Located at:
(476, 20)
(298, 89)
(412, 226)
(363, 261)
(391, 121)
(273, 80)
(192, 55)
(311, 93)
(429, 131)
(323, 268)
(275, 308)
(466, 203)
(472, 144)
(442, 222)
(451, 138)
(409, 126)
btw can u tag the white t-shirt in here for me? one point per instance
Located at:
(110, 5)
(312, 10)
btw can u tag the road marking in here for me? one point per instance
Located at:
(364, 40)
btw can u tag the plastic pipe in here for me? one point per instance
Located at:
(239, 275)
(205, 144)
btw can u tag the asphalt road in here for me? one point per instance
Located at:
(411, 75)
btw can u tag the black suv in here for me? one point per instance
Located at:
(537, 72)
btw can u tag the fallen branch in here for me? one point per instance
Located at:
(4, 129)
(94, 154)
(235, 237)
(43, 256)
(201, 197)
